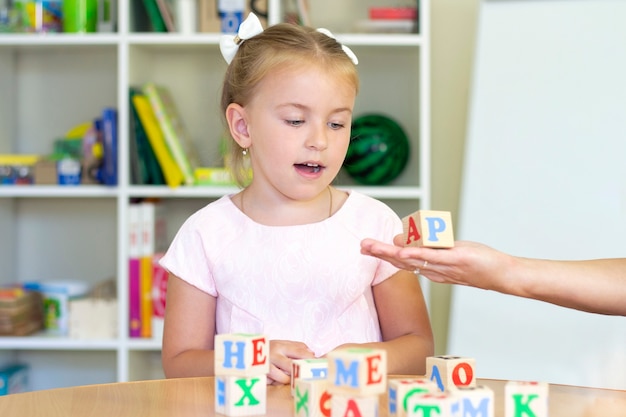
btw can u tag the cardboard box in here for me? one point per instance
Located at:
(45, 172)
(92, 318)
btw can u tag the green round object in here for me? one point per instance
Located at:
(379, 150)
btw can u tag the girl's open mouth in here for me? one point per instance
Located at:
(309, 167)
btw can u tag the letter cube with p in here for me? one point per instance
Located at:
(450, 372)
(241, 354)
(357, 371)
(316, 368)
(431, 229)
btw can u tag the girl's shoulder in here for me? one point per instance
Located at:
(365, 216)
(365, 206)
(222, 208)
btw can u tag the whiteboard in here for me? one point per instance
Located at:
(545, 176)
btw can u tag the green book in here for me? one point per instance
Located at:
(154, 14)
(147, 170)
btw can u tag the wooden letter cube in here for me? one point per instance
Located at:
(348, 405)
(399, 390)
(241, 354)
(240, 396)
(439, 404)
(450, 372)
(311, 398)
(308, 368)
(357, 371)
(525, 399)
(476, 401)
(431, 229)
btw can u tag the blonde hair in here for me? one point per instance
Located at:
(278, 46)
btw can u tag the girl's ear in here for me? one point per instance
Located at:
(237, 124)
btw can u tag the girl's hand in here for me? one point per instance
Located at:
(281, 354)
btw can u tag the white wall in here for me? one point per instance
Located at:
(544, 176)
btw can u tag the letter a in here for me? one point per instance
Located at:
(436, 376)
(413, 234)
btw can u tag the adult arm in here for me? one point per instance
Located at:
(597, 286)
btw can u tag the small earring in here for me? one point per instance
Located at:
(244, 151)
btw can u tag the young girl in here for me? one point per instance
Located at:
(282, 257)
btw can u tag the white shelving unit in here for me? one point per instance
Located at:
(49, 83)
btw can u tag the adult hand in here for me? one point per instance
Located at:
(467, 263)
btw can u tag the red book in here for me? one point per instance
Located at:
(134, 271)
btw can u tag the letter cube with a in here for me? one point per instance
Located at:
(311, 398)
(525, 398)
(241, 354)
(450, 372)
(357, 371)
(240, 396)
(342, 405)
(308, 368)
(477, 401)
(399, 390)
(434, 404)
(428, 228)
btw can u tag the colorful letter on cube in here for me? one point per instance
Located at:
(308, 368)
(399, 390)
(428, 228)
(477, 401)
(311, 398)
(241, 354)
(357, 371)
(449, 372)
(438, 404)
(240, 396)
(343, 405)
(526, 399)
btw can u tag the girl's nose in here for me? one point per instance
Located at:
(317, 139)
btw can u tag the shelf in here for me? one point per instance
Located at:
(144, 344)
(56, 81)
(85, 191)
(163, 39)
(197, 39)
(383, 192)
(181, 192)
(393, 40)
(58, 39)
(50, 342)
(53, 191)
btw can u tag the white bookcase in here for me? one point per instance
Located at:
(49, 83)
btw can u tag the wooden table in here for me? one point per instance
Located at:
(191, 397)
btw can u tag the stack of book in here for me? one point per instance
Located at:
(162, 151)
(21, 311)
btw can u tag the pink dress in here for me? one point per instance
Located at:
(307, 283)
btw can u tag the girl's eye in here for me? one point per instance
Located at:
(295, 122)
(335, 126)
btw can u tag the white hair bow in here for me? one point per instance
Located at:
(347, 50)
(229, 44)
(251, 26)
